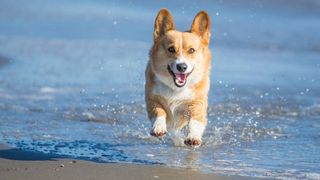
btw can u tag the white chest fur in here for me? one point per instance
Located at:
(172, 94)
(174, 97)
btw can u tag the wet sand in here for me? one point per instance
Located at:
(16, 164)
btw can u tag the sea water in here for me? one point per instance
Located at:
(72, 84)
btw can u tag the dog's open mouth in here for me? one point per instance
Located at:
(179, 79)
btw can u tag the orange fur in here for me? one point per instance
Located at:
(178, 105)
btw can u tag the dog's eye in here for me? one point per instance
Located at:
(171, 49)
(191, 50)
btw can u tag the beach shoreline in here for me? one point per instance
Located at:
(27, 165)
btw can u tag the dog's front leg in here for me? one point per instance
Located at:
(196, 129)
(157, 116)
(159, 127)
(197, 122)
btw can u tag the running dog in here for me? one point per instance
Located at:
(178, 78)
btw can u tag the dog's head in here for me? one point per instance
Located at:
(178, 57)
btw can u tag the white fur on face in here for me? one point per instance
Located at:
(196, 129)
(159, 125)
(179, 60)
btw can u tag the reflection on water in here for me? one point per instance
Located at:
(80, 94)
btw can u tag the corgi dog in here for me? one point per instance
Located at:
(178, 78)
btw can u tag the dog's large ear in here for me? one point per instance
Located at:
(201, 26)
(164, 22)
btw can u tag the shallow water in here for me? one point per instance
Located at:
(72, 77)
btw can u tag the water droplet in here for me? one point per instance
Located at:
(82, 91)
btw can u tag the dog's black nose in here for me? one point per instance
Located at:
(182, 67)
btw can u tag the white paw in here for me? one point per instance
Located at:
(196, 130)
(159, 127)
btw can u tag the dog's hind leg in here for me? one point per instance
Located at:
(180, 120)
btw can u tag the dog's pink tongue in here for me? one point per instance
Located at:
(181, 77)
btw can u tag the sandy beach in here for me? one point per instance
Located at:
(17, 164)
(74, 169)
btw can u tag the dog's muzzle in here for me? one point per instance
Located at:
(180, 78)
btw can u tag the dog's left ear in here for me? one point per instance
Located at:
(201, 26)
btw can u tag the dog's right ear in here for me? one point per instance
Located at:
(164, 22)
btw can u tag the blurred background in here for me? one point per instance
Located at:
(72, 83)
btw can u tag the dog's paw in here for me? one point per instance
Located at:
(158, 134)
(159, 128)
(192, 142)
(196, 129)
